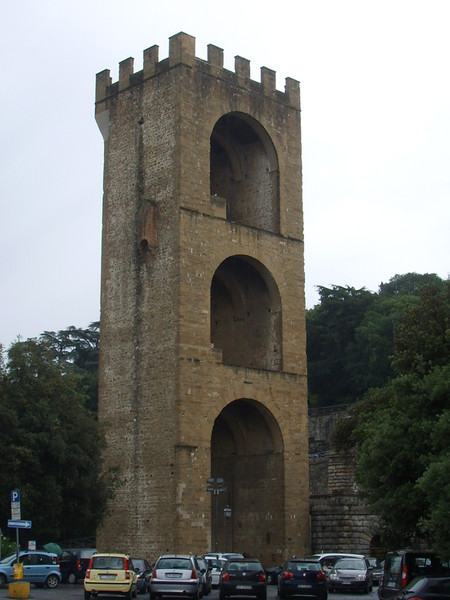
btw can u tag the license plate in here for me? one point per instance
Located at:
(107, 577)
(304, 586)
(243, 587)
(173, 575)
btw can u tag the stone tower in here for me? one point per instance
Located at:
(202, 364)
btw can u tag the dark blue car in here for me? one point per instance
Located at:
(304, 578)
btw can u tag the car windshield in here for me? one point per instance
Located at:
(350, 563)
(175, 563)
(243, 566)
(139, 563)
(303, 566)
(215, 563)
(107, 562)
(8, 558)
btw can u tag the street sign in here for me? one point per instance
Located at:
(18, 524)
(15, 505)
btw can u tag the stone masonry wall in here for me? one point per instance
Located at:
(340, 521)
(163, 385)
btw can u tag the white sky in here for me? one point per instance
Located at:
(375, 93)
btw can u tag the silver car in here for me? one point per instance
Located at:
(176, 575)
(216, 565)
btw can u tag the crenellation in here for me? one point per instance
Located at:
(293, 92)
(182, 51)
(150, 61)
(126, 70)
(242, 69)
(103, 81)
(215, 56)
(268, 81)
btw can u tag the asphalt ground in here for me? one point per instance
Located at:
(67, 591)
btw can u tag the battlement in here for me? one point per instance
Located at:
(182, 52)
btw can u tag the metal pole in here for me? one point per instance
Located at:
(226, 534)
(216, 494)
(17, 545)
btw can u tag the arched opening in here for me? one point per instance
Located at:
(244, 171)
(247, 453)
(246, 314)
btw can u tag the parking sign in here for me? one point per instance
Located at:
(15, 504)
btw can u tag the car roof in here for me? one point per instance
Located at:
(310, 560)
(245, 560)
(37, 552)
(176, 556)
(118, 554)
(337, 555)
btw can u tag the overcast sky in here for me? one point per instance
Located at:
(375, 93)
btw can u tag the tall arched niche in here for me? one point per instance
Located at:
(247, 454)
(246, 314)
(244, 171)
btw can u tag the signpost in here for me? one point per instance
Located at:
(19, 524)
(15, 521)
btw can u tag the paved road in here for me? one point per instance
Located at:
(75, 592)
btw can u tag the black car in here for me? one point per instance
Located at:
(144, 572)
(427, 588)
(243, 577)
(402, 566)
(272, 574)
(74, 562)
(377, 570)
(302, 577)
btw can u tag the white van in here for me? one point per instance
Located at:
(327, 559)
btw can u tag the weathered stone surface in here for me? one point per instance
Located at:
(203, 365)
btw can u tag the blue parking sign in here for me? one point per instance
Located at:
(15, 496)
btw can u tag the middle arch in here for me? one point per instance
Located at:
(246, 314)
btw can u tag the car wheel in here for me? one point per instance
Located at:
(263, 596)
(87, 595)
(153, 596)
(72, 578)
(52, 581)
(128, 595)
(2, 580)
(281, 594)
(222, 596)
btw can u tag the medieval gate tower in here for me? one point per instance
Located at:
(202, 363)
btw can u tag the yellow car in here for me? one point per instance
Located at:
(110, 573)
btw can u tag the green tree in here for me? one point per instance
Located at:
(50, 443)
(79, 350)
(350, 336)
(331, 327)
(399, 432)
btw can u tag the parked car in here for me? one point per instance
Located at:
(272, 574)
(216, 565)
(377, 569)
(144, 572)
(402, 566)
(39, 567)
(243, 577)
(74, 562)
(327, 559)
(110, 573)
(206, 575)
(176, 575)
(426, 588)
(303, 577)
(351, 574)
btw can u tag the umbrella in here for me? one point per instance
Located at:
(53, 547)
